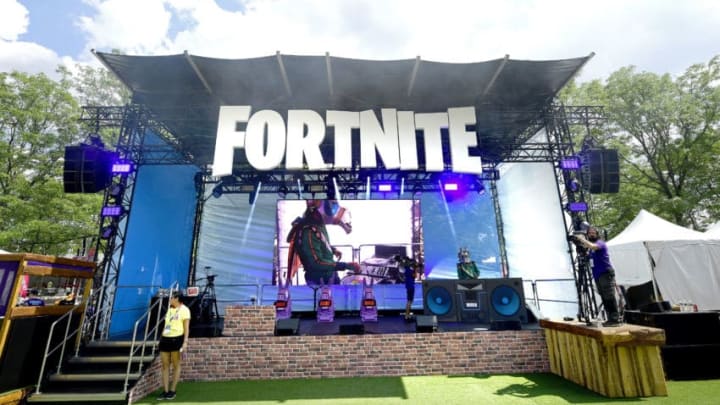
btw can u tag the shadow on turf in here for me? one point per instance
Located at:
(539, 385)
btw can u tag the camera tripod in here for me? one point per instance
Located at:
(587, 307)
(208, 309)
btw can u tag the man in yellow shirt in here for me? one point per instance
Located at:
(172, 343)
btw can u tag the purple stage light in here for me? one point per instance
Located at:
(112, 211)
(570, 163)
(579, 206)
(450, 187)
(121, 167)
(384, 187)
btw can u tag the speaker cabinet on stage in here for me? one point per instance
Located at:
(604, 171)
(439, 299)
(287, 327)
(472, 300)
(426, 323)
(506, 303)
(87, 169)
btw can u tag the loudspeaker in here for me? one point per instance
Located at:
(352, 329)
(426, 323)
(439, 299)
(87, 169)
(472, 300)
(639, 296)
(506, 301)
(603, 171)
(287, 327)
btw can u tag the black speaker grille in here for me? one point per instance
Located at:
(87, 169)
(602, 171)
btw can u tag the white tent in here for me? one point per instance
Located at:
(686, 263)
(713, 231)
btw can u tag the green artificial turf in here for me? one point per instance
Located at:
(444, 390)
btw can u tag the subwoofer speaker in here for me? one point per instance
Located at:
(426, 323)
(287, 327)
(506, 303)
(472, 300)
(87, 169)
(439, 299)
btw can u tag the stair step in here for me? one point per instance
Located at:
(76, 397)
(108, 359)
(118, 343)
(92, 377)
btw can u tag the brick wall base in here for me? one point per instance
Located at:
(248, 350)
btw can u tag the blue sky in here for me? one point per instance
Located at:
(662, 36)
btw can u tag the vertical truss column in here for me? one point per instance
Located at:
(113, 228)
(499, 226)
(559, 136)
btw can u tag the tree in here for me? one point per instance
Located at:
(38, 118)
(667, 132)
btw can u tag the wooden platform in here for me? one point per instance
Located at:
(617, 362)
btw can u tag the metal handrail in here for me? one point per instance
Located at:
(174, 287)
(60, 345)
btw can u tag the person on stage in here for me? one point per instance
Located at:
(603, 273)
(466, 268)
(172, 343)
(411, 271)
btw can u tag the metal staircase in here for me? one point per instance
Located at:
(85, 367)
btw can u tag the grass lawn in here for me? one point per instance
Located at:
(445, 390)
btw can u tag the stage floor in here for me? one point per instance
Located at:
(386, 323)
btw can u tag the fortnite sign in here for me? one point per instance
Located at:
(268, 139)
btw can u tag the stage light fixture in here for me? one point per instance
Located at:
(112, 211)
(574, 185)
(315, 188)
(385, 187)
(283, 191)
(107, 231)
(570, 163)
(121, 168)
(217, 191)
(450, 187)
(578, 206)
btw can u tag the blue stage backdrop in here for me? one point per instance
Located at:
(158, 240)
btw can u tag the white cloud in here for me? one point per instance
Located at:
(656, 35)
(28, 57)
(13, 20)
(137, 25)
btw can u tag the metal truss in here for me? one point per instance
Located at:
(571, 190)
(136, 122)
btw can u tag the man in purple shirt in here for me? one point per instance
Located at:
(603, 274)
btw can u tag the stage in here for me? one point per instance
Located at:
(388, 323)
(249, 349)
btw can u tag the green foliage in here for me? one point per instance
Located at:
(38, 118)
(667, 132)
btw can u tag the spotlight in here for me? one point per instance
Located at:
(121, 167)
(450, 187)
(385, 187)
(112, 211)
(574, 185)
(107, 231)
(283, 191)
(217, 191)
(570, 163)
(481, 188)
(578, 206)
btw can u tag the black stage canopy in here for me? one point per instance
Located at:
(184, 91)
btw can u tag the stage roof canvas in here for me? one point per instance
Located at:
(184, 92)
